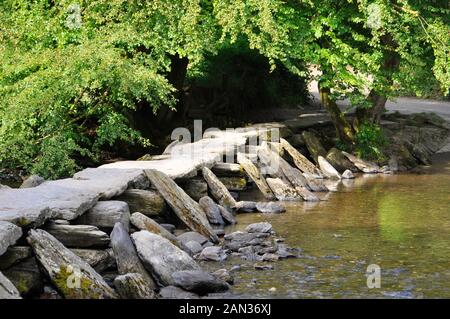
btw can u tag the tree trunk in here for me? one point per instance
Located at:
(343, 128)
(391, 62)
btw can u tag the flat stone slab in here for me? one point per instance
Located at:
(72, 276)
(66, 198)
(187, 210)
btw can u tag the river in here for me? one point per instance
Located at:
(399, 222)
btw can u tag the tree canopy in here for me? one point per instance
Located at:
(72, 72)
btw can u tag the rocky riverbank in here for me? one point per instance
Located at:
(150, 229)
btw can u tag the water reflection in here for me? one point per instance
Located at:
(400, 222)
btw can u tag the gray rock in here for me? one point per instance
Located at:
(126, 256)
(143, 222)
(270, 207)
(169, 227)
(339, 161)
(79, 236)
(100, 260)
(255, 175)
(7, 289)
(198, 281)
(327, 169)
(283, 191)
(213, 253)
(314, 145)
(218, 190)
(192, 236)
(66, 198)
(239, 239)
(263, 266)
(147, 202)
(364, 166)
(234, 183)
(211, 210)
(9, 234)
(106, 214)
(227, 216)
(50, 293)
(208, 244)
(245, 207)
(26, 277)
(269, 257)
(161, 257)
(133, 286)
(219, 231)
(348, 174)
(172, 292)
(224, 275)
(249, 253)
(71, 275)
(195, 188)
(32, 181)
(187, 210)
(194, 247)
(227, 169)
(262, 227)
(13, 255)
(4, 186)
(284, 251)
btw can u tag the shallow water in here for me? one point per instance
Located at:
(399, 222)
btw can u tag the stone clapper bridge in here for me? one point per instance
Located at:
(66, 200)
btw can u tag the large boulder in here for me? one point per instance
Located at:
(199, 281)
(161, 257)
(72, 276)
(147, 202)
(9, 234)
(127, 259)
(106, 214)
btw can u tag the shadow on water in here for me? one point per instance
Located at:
(399, 222)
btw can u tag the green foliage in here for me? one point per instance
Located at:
(73, 72)
(370, 141)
